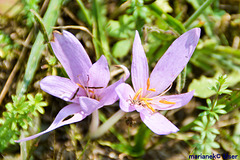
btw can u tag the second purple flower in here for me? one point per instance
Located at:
(147, 95)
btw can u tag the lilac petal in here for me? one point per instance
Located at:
(174, 60)
(108, 96)
(179, 100)
(60, 87)
(158, 123)
(125, 93)
(88, 105)
(99, 74)
(72, 109)
(139, 68)
(70, 52)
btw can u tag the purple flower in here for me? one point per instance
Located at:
(87, 86)
(148, 94)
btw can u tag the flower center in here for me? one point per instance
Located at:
(146, 102)
(90, 91)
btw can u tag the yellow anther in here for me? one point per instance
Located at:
(80, 85)
(166, 102)
(90, 91)
(139, 92)
(149, 106)
(148, 85)
(152, 89)
(146, 99)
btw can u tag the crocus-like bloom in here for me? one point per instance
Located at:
(148, 94)
(87, 86)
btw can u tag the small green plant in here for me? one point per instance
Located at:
(6, 46)
(18, 115)
(205, 141)
(28, 5)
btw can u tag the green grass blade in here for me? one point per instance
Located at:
(99, 30)
(85, 12)
(49, 20)
(173, 22)
(197, 13)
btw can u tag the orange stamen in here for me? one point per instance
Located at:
(138, 93)
(149, 106)
(147, 99)
(90, 91)
(152, 89)
(148, 85)
(80, 85)
(166, 102)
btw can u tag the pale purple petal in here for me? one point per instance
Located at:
(88, 105)
(174, 60)
(60, 87)
(125, 93)
(108, 96)
(158, 123)
(179, 100)
(139, 68)
(70, 52)
(71, 109)
(99, 74)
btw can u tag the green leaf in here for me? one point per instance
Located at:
(212, 121)
(30, 97)
(203, 108)
(42, 104)
(14, 126)
(199, 123)
(121, 48)
(122, 28)
(38, 97)
(214, 130)
(2, 121)
(204, 113)
(40, 110)
(219, 106)
(24, 125)
(221, 111)
(9, 107)
(215, 145)
(209, 103)
(215, 115)
(225, 91)
(203, 135)
(198, 129)
(204, 120)
(202, 86)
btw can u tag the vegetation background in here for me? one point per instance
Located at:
(209, 124)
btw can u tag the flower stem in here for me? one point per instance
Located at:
(95, 122)
(108, 124)
(197, 13)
